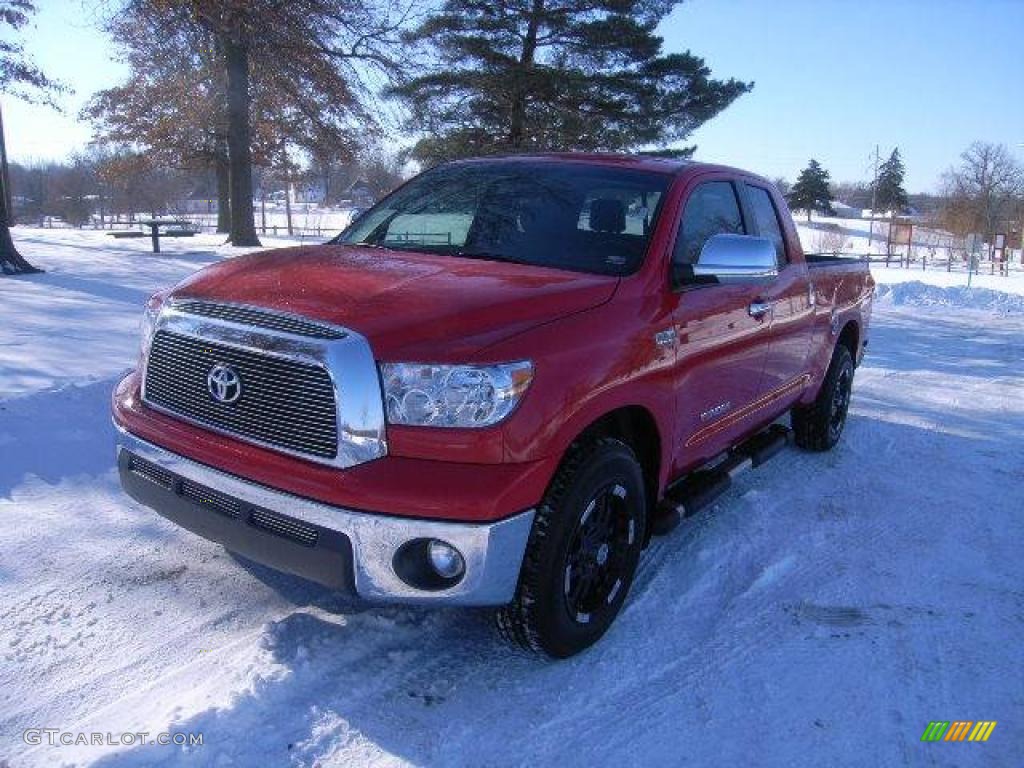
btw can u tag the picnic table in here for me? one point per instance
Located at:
(154, 225)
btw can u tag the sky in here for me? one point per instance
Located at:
(832, 79)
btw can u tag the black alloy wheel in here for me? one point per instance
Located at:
(599, 553)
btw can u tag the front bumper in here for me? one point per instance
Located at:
(340, 548)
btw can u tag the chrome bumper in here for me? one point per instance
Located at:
(493, 552)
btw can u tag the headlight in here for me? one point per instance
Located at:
(453, 395)
(148, 324)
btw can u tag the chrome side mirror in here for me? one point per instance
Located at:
(729, 258)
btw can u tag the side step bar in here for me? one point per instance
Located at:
(700, 488)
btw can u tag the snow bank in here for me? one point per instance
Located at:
(917, 294)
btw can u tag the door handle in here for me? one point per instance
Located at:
(666, 338)
(759, 309)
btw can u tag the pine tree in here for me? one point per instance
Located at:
(889, 192)
(810, 192)
(541, 75)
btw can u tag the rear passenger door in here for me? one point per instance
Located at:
(791, 317)
(721, 347)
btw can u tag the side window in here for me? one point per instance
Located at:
(767, 218)
(711, 209)
(601, 206)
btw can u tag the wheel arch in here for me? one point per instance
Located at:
(637, 427)
(849, 337)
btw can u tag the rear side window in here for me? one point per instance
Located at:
(712, 209)
(767, 219)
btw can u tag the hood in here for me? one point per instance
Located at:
(411, 306)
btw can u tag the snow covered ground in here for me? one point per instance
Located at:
(822, 613)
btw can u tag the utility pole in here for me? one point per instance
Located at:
(1021, 146)
(874, 190)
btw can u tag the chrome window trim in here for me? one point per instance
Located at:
(349, 362)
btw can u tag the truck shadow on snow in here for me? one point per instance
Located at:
(95, 288)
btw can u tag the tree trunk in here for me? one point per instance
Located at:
(222, 171)
(517, 118)
(243, 224)
(288, 197)
(11, 262)
(263, 209)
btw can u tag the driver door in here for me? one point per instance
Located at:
(722, 340)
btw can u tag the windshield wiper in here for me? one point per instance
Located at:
(423, 248)
(486, 255)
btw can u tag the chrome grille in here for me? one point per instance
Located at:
(283, 404)
(260, 318)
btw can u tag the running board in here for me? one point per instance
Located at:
(701, 487)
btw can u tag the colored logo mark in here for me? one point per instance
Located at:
(958, 730)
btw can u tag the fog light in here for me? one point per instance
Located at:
(445, 559)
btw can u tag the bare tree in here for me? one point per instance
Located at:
(75, 187)
(830, 239)
(856, 194)
(983, 190)
(331, 50)
(136, 185)
(171, 106)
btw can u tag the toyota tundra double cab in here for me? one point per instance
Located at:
(496, 385)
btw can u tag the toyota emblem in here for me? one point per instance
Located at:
(223, 383)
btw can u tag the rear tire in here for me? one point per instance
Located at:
(583, 551)
(818, 426)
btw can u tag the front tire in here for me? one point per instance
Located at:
(818, 426)
(582, 553)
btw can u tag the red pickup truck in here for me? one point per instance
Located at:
(496, 384)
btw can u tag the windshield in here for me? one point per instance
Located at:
(586, 218)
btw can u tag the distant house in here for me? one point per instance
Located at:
(197, 204)
(844, 211)
(201, 199)
(909, 213)
(312, 192)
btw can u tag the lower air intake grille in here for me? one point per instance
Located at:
(151, 472)
(285, 527)
(210, 499)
